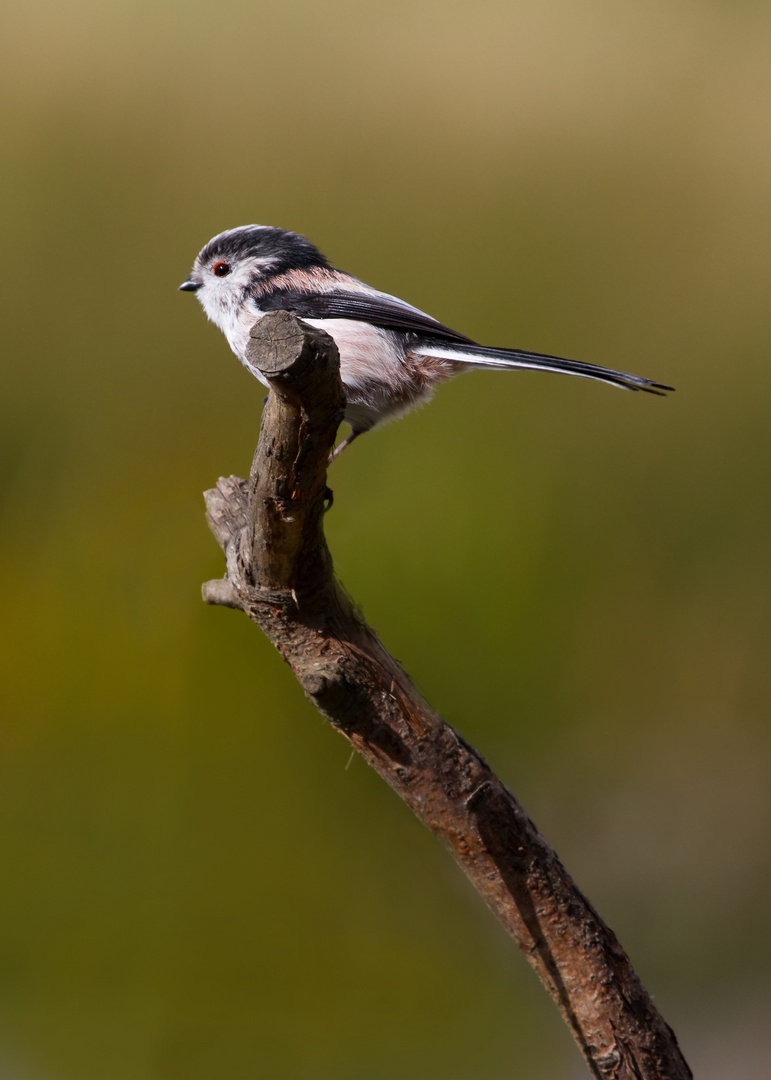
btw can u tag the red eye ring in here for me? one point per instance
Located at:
(221, 269)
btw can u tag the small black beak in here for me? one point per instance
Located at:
(190, 286)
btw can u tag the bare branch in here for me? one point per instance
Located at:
(279, 571)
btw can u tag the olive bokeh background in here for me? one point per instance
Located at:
(195, 880)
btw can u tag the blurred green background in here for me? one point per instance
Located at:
(194, 882)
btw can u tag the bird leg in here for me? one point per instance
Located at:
(339, 449)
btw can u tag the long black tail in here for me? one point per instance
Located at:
(481, 356)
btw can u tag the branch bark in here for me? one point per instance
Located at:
(279, 571)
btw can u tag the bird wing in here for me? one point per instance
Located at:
(428, 337)
(379, 309)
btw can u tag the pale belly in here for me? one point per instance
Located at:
(380, 380)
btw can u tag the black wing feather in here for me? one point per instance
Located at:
(378, 309)
(389, 313)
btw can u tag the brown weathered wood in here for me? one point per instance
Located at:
(279, 571)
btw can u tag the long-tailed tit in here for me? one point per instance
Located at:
(392, 355)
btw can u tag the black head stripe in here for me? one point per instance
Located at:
(287, 250)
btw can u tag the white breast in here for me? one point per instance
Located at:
(378, 382)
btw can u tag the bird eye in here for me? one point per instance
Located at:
(221, 269)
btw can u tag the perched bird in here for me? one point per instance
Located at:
(392, 355)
